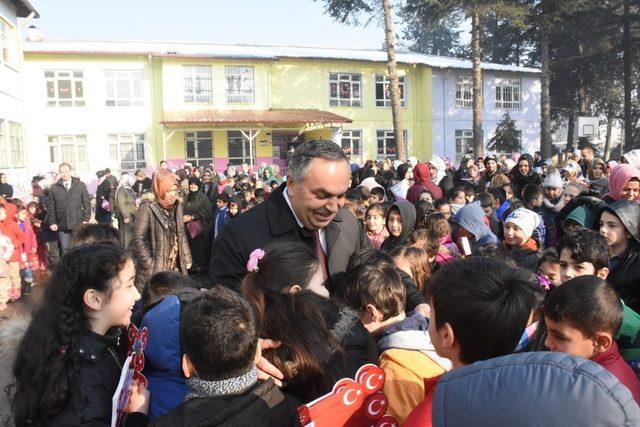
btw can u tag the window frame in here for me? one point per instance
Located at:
(348, 135)
(463, 82)
(386, 102)
(56, 154)
(117, 140)
(244, 96)
(467, 135)
(246, 153)
(196, 160)
(338, 101)
(5, 48)
(384, 135)
(74, 100)
(501, 91)
(193, 74)
(133, 100)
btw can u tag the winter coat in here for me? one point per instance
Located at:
(99, 364)
(262, 404)
(272, 221)
(142, 187)
(150, 245)
(9, 227)
(124, 204)
(522, 389)
(625, 276)
(6, 191)
(199, 208)
(408, 215)
(613, 362)
(103, 193)
(519, 181)
(422, 180)
(68, 209)
(408, 357)
(471, 218)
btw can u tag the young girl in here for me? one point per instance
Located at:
(235, 206)
(400, 220)
(448, 251)
(374, 224)
(624, 184)
(518, 228)
(321, 342)
(414, 262)
(38, 262)
(71, 378)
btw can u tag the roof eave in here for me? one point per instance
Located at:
(24, 9)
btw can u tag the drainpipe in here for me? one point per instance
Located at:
(444, 117)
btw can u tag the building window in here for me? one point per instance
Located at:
(15, 144)
(383, 91)
(508, 93)
(464, 143)
(464, 91)
(386, 141)
(127, 150)
(199, 148)
(4, 41)
(240, 148)
(4, 163)
(344, 90)
(65, 88)
(351, 143)
(240, 86)
(70, 149)
(197, 83)
(123, 88)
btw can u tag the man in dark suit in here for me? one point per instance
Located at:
(307, 208)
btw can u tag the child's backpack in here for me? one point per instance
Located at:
(163, 354)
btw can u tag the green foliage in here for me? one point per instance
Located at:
(506, 138)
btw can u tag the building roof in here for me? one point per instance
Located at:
(269, 117)
(255, 52)
(24, 8)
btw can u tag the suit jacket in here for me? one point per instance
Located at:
(274, 221)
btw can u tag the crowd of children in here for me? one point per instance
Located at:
(466, 265)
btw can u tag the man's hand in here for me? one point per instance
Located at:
(53, 227)
(265, 369)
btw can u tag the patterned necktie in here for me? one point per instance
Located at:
(322, 257)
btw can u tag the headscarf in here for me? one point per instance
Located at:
(192, 194)
(402, 171)
(421, 174)
(441, 166)
(124, 181)
(620, 175)
(162, 181)
(633, 158)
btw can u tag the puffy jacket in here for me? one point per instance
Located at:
(68, 209)
(9, 227)
(150, 245)
(524, 389)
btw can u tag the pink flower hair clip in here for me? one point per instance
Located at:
(252, 264)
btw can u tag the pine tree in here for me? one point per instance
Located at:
(506, 138)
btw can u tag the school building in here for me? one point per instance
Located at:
(128, 105)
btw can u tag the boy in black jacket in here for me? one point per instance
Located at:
(220, 338)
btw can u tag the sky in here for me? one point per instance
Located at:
(275, 22)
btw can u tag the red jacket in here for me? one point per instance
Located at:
(421, 415)
(9, 227)
(422, 180)
(614, 363)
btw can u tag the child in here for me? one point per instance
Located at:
(6, 252)
(429, 242)
(376, 195)
(552, 204)
(582, 317)
(549, 266)
(374, 224)
(442, 205)
(413, 261)
(474, 226)
(448, 251)
(518, 228)
(222, 212)
(219, 336)
(9, 228)
(488, 204)
(532, 199)
(235, 207)
(457, 199)
(618, 224)
(407, 355)
(29, 248)
(500, 202)
(400, 220)
(38, 262)
(76, 331)
(467, 325)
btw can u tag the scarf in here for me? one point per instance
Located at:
(163, 180)
(230, 386)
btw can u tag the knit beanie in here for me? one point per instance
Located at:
(633, 158)
(163, 180)
(525, 219)
(553, 179)
(583, 216)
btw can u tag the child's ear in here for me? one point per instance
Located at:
(446, 335)
(373, 313)
(602, 342)
(92, 299)
(187, 367)
(603, 273)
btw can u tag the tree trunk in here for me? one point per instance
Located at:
(627, 61)
(570, 132)
(607, 141)
(545, 100)
(583, 91)
(396, 105)
(478, 146)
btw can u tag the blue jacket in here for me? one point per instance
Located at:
(525, 389)
(470, 217)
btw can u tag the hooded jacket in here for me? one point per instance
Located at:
(408, 215)
(422, 179)
(620, 175)
(518, 181)
(470, 217)
(626, 275)
(408, 357)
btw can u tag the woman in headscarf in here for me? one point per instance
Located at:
(595, 176)
(124, 208)
(461, 173)
(624, 183)
(439, 176)
(422, 182)
(523, 174)
(404, 176)
(160, 241)
(198, 218)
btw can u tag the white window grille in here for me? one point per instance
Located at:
(4, 41)
(345, 90)
(508, 95)
(70, 149)
(351, 143)
(123, 88)
(65, 88)
(240, 84)
(240, 148)
(197, 84)
(127, 150)
(386, 142)
(464, 91)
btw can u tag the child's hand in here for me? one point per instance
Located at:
(265, 369)
(138, 398)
